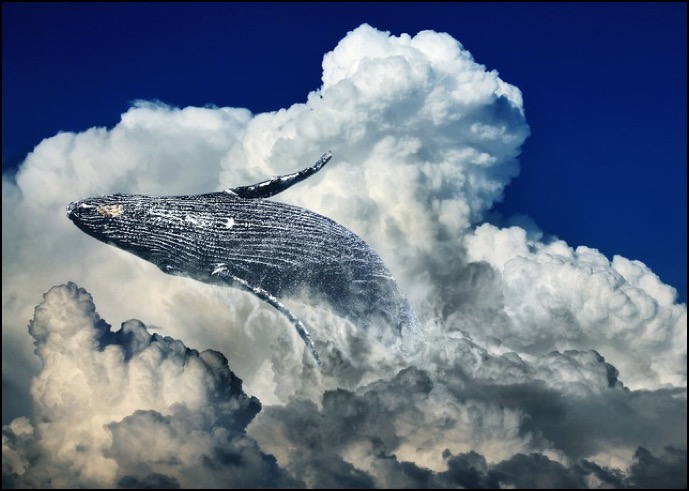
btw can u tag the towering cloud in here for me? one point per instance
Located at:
(128, 408)
(543, 364)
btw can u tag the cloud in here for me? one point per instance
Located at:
(129, 409)
(542, 364)
(134, 409)
(501, 408)
(554, 297)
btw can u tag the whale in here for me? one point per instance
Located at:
(271, 249)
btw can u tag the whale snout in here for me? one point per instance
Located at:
(71, 207)
(76, 209)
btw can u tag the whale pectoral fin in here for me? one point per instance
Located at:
(221, 272)
(276, 185)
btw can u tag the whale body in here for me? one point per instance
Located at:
(273, 250)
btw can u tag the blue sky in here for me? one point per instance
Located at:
(604, 89)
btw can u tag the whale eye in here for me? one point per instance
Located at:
(110, 211)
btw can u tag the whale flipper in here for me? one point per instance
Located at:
(271, 187)
(221, 272)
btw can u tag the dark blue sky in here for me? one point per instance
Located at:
(604, 87)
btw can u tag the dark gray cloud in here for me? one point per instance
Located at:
(151, 481)
(382, 425)
(667, 470)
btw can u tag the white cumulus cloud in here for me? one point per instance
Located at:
(543, 364)
(554, 297)
(129, 408)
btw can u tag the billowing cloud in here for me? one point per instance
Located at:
(542, 364)
(549, 296)
(134, 409)
(129, 409)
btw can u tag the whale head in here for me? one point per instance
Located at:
(155, 228)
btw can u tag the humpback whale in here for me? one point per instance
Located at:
(271, 249)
